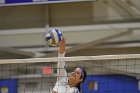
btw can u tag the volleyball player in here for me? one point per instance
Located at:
(65, 83)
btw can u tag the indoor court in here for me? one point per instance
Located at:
(101, 36)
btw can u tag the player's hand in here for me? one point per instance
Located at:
(62, 46)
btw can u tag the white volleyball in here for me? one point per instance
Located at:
(54, 37)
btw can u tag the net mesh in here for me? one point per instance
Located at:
(106, 74)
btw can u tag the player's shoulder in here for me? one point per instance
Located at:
(76, 90)
(73, 90)
(63, 81)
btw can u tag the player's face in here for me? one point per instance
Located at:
(75, 76)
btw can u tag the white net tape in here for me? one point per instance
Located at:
(77, 58)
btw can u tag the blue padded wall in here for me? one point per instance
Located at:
(112, 84)
(11, 84)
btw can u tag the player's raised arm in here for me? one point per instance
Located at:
(61, 72)
(62, 46)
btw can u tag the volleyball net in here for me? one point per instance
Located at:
(106, 73)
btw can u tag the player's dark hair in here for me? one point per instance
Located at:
(83, 77)
(79, 87)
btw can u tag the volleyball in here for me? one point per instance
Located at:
(54, 37)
